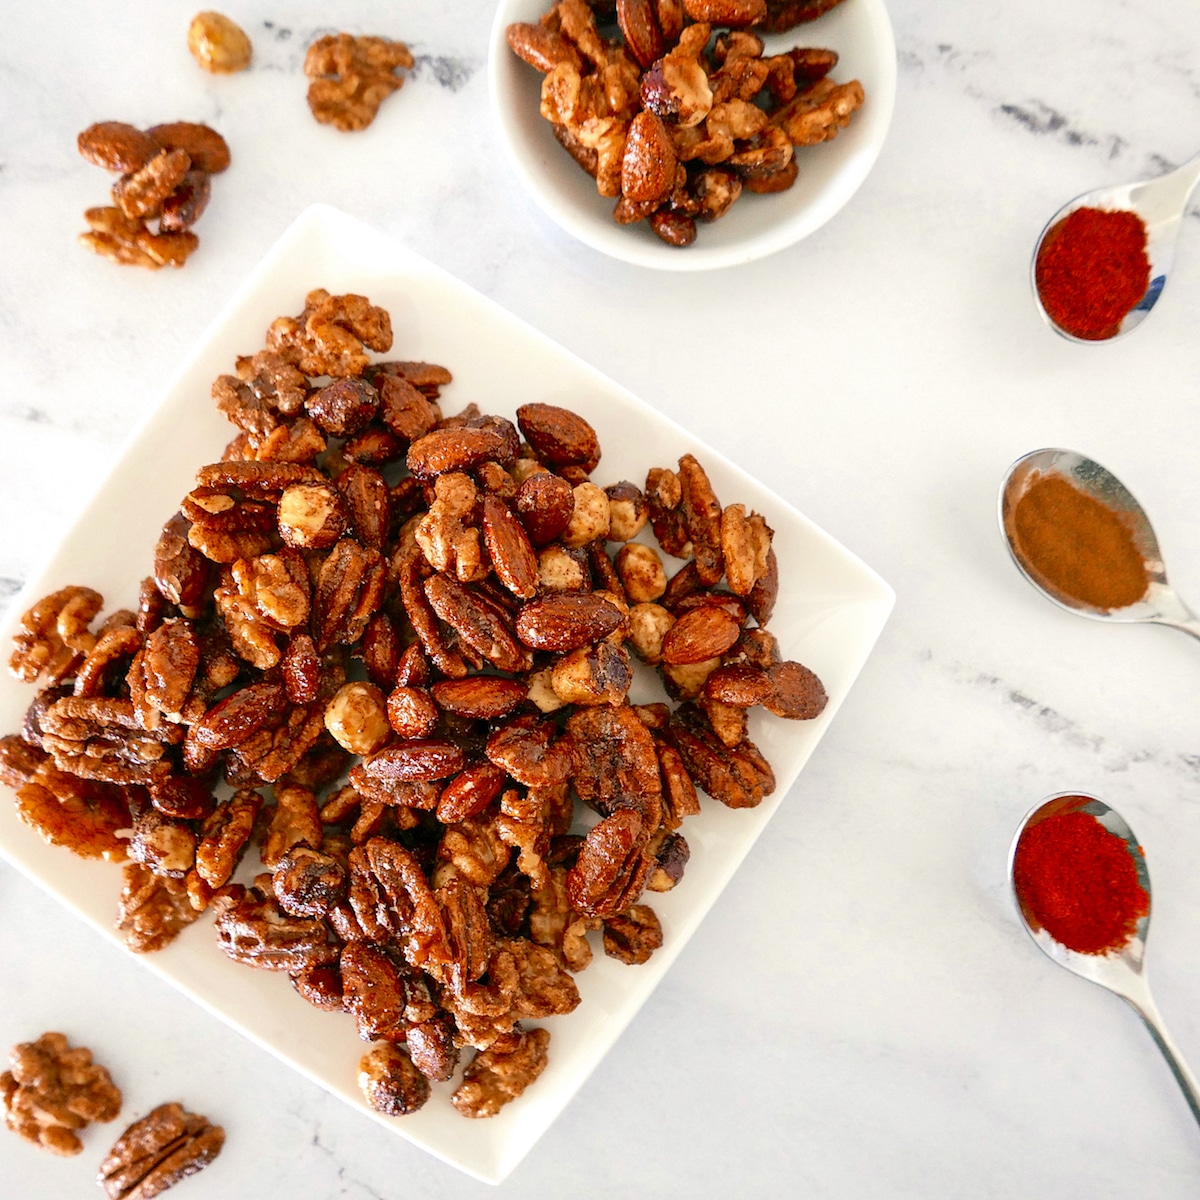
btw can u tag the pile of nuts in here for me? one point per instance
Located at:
(165, 178)
(674, 118)
(392, 649)
(54, 1090)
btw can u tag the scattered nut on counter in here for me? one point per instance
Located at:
(393, 649)
(157, 1152)
(53, 1090)
(219, 44)
(165, 178)
(675, 119)
(352, 76)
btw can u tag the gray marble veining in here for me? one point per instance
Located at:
(861, 1013)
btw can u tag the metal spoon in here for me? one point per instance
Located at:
(1160, 605)
(1123, 971)
(1161, 203)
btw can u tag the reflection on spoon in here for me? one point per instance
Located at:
(1158, 604)
(1161, 204)
(1123, 970)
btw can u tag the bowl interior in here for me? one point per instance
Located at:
(861, 33)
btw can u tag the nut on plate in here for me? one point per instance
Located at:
(413, 684)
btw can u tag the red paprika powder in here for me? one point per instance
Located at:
(1092, 270)
(1080, 883)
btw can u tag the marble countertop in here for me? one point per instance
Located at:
(887, 1029)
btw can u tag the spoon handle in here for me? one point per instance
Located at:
(1189, 624)
(1144, 1007)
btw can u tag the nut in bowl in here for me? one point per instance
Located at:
(586, 205)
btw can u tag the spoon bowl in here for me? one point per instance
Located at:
(1160, 605)
(1161, 204)
(1121, 971)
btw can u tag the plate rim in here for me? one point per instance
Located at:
(326, 225)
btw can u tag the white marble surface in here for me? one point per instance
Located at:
(860, 1015)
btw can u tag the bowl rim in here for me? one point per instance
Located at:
(833, 197)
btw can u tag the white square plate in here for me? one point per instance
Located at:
(830, 612)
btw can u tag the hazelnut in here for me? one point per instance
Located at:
(641, 572)
(589, 519)
(648, 625)
(356, 718)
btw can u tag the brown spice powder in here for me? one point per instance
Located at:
(1077, 545)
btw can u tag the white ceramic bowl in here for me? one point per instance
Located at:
(861, 33)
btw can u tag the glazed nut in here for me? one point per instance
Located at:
(164, 1147)
(543, 504)
(685, 681)
(312, 516)
(352, 76)
(648, 625)
(357, 718)
(597, 674)
(562, 570)
(541, 690)
(727, 12)
(53, 1090)
(632, 936)
(559, 437)
(411, 712)
(389, 1081)
(628, 511)
(677, 89)
(116, 146)
(142, 192)
(218, 44)
(641, 573)
(648, 164)
(589, 517)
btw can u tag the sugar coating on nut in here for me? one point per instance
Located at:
(357, 719)
(368, 659)
(53, 1090)
(650, 113)
(218, 44)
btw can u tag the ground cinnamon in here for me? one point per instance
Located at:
(1077, 545)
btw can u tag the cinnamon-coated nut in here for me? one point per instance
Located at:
(641, 571)
(589, 517)
(357, 719)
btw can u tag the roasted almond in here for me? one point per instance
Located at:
(509, 548)
(470, 792)
(567, 621)
(479, 697)
(796, 693)
(117, 146)
(560, 437)
(648, 164)
(733, 13)
(738, 684)
(643, 34)
(700, 634)
(415, 760)
(544, 505)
